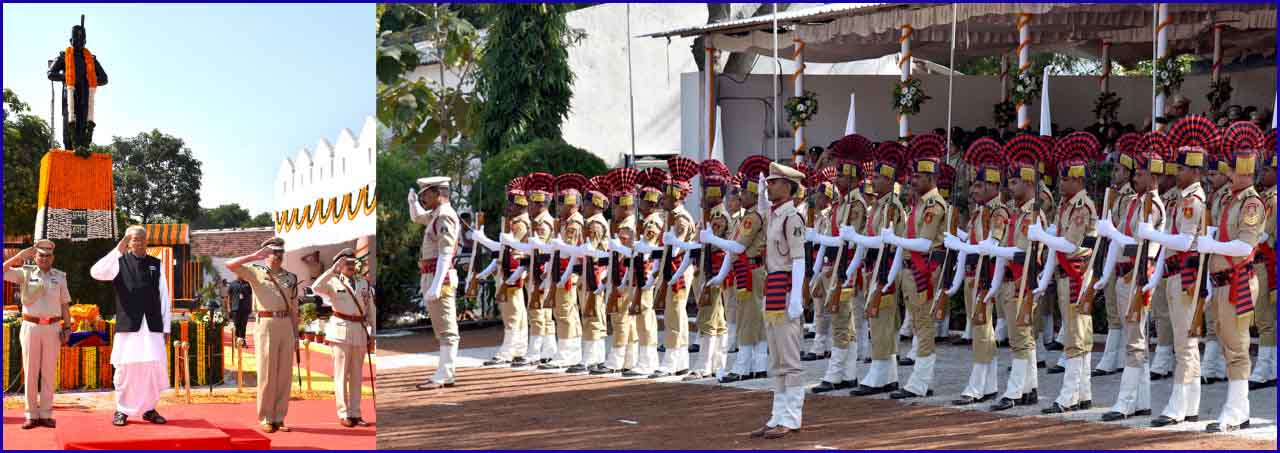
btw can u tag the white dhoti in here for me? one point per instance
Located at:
(142, 370)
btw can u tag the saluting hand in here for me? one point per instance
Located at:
(123, 246)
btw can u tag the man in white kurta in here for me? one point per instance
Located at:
(138, 351)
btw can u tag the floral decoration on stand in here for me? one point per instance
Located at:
(908, 96)
(802, 109)
(1167, 74)
(1026, 87)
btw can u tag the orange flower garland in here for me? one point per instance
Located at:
(90, 67)
(70, 182)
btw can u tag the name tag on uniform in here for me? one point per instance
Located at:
(153, 268)
(342, 290)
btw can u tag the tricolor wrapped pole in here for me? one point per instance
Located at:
(904, 64)
(797, 80)
(1024, 61)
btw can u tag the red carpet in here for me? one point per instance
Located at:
(314, 425)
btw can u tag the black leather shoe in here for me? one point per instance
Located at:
(1055, 370)
(1141, 413)
(119, 419)
(903, 394)
(632, 373)
(495, 361)
(602, 371)
(662, 348)
(1055, 409)
(49, 423)
(1030, 398)
(1002, 344)
(1099, 372)
(847, 384)
(822, 387)
(1159, 376)
(1003, 405)
(810, 335)
(154, 417)
(1211, 380)
(1254, 385)
(681, 372)
(1216, 427)
(964, 400)
(826, 355)
(732, 351)
(1040, 364)
(1053, 346)
(1163, 421)
(962, 342)
(1085, 405)
(1191, 418)
(863, 390)
(659, 374)
(866, 360)
(904, 338)
(576, 369)
(808, 357)
(694, 348)
(544, 361)
(32, 423)
(519, 362)
(906, 361)
(359, 421)
(1113, 416)
(549, 366)
(730, 377)
(760, 375)
(987, 397)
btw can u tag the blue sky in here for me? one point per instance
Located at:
(244, 85)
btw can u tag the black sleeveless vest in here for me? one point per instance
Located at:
(138, 295)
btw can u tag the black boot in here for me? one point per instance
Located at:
(823, 387)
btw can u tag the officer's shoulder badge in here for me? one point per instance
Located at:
(1251, 213)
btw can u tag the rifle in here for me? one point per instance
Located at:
(1202, 269)
(832, 304)
(1140, 269)
(473, 289)
(549, 301)
(1084, 304)
(811, 250)
(611, 288)
(1027, 304)
(979, 303)
(940, 303)
(659, 301)
(704, 263)
(874, 292)
(637, 268)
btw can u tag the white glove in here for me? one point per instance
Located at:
(762, 198)
(847, 232)
(1263, 237)
(1108, 266)
(723, 272)
(1035, 233)
(510, 241)
(679, 274)
(951, 242)
(958, 278)
(558, 245)
(1236, 248)
(594, 252)
(1212, 232)
(817, 262)
(479, 237)
(810, 235)
(826, 241)
(515, 276)
(415, 209)
(546, 284)
(648, 282)
(442, 268)
(859, 255)
(543, 247)
(709, 237)
(1004, 252)
(670, 239)
(889, 237)
(1157, 276)
(1057, 243)
(986, 247)
(893, 270)
(870, 242)
(997, 279)
(493, 266)
(918, 245)
(1208, 292)
(564, 276)
(795, 304)
(1052, 230)
(617, 247)
(1042, 283)
(1105, 228)
(645, 248)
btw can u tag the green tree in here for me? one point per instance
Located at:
(225, 216)
(551, 156)
(156, 178)
(261, 220)
(26, 139)
(524, 79)
(398, 237)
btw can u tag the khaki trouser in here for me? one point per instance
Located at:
(884, 327)
(443, 311)
(647, 324)
(1135, 333)
(273, 345)
(1265, 305)
(675, 319)
(1022, 339)
(624, 325)
(568, 325)
(711, 317)
(348, 375)
(1186, 350)
(845, 320)
(514, 316)
(1115, 316)
(1079, 333)
(785, 339)
(918, 302)
(821, 319)
(593, 327)
(1044, 308)
(1233, 331)
(1160, 311)
(40, 348)
(983, 335)
(751, 310)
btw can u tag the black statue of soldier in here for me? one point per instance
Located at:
(81, 74)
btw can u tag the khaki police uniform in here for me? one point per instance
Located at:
(1186, 214)
(542, 327)
(1077, 220)
(511, 298)
(45, 300)
(347, 333)
(925, 221)
(275, 299)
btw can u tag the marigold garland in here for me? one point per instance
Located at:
(90, 367)
(71, 182)
(90, 67)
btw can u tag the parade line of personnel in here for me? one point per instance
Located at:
(1185, 232)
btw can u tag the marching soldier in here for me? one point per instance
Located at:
(1162, 361)
(592, 294)
(1132, 271)
(1121, 183)
(680, 231)
(348, 331)
(1264, 372)
(45, 311)
(733, 206)
(563, 278)
(988, 224)
(275, 299)
(711, 314)
(1077, 218)
(823, 212)
(1213, 365)
(1192, 137)
(843, 301)
(625, 349)
(746, 259)
(783, 305)
(646, 319)
(923, 235)
(439, 279)
(510, 297)
(1235, 287)
(542, 328)
(882, 303)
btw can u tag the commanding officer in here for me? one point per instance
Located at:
(745, 256)
(275, 299)
(1077, 219)
(783, 305)
(882, 304)
(1240, 228)
(439, 281)
(45, 309)
(711, 314)
(1132, 273)
(1192, 137)
(348, 331)
(923, 235)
